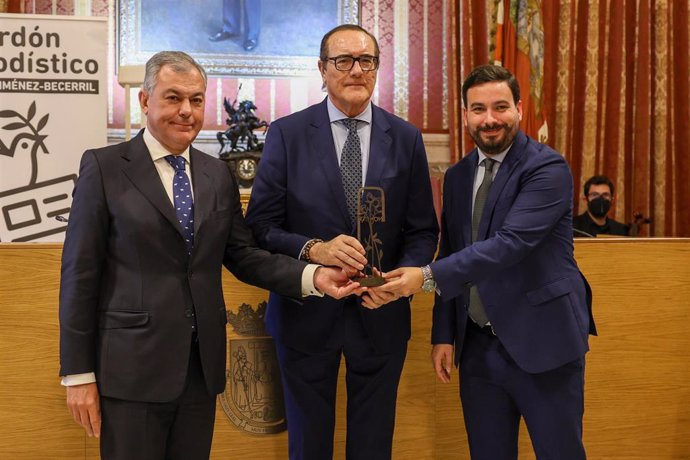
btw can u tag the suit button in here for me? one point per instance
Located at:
(188, 313)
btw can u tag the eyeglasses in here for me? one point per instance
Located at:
(595, 195)
(346, 63)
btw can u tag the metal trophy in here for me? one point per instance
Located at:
(371, 209)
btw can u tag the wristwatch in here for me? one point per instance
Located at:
(429, 285)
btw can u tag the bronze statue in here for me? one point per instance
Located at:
(239, 145)
(241, 125)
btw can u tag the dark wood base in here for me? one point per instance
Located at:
(370, 281)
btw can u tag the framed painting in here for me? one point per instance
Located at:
(242, 38)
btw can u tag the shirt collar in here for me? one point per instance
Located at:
(498, 157)
(156, 149)
(336, 115)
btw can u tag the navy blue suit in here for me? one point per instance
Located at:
(535, 298)
(298, 195)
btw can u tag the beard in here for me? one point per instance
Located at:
(495, 144)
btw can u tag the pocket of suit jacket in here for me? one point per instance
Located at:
(549, 291)
(123, 319)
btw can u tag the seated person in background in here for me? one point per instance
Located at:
(599, 192)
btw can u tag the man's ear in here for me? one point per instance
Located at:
(144, 101)
(322, 71)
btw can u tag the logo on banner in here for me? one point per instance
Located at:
(33, 209)
(253, 396)
(54, 107)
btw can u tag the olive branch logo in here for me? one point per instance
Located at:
(33, 135)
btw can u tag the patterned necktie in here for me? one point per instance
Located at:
(182, 198)
(351, 167)
(476, 309)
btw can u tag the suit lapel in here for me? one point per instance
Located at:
(204, 196)
(323, 153)
(143, 174)
(469, 170)
(380, 150)
(510, 162)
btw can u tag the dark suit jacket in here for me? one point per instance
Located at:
(128, 285)
(522, 263)
(298, 195)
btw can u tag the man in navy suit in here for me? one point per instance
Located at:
(142, 316)
(299, 207)
(510, 296)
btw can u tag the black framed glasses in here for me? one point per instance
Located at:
(345, 63)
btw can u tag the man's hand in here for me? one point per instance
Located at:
(342, 251)
(404, 281)
(336, 283)
(83, 403)
(376, 297)
(442, 359)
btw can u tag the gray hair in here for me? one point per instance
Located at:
(178, 61)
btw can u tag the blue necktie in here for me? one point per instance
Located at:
(351, 167)
(182, 199)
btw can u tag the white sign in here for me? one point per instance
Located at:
(53, 106)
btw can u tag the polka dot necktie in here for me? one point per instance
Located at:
(351, 167)
(182, 199)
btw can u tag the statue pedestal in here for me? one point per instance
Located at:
(243, 165)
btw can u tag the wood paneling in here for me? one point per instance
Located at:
(638, 371)
(637, 376)
(34, 421)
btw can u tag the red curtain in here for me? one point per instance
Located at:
(11, 6)
(615, 95)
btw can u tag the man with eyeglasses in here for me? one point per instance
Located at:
(303, 204)
(595, 221)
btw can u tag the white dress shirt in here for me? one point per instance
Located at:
(479, 177)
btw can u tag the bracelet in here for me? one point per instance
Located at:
(307, 247)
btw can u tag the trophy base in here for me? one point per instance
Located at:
(370, 281)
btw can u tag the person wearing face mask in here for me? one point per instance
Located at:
(599, 192)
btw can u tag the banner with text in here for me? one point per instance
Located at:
(53, 93)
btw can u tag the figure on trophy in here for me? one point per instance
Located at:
(371, 209)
